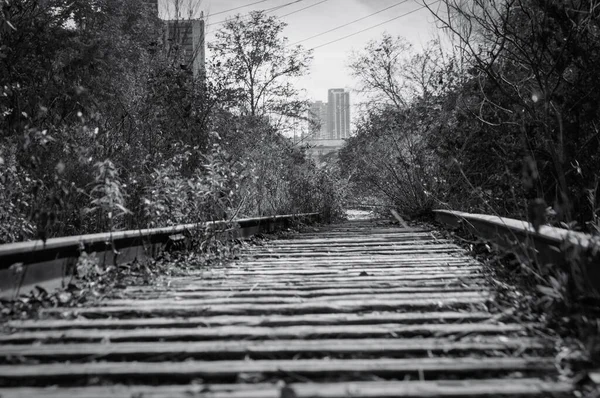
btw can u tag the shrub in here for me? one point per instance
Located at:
(15, 199)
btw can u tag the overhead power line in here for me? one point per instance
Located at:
(302, 9)
(267, 10)
(349, 23)
(237, 8)
(374, 26)
(283, 5)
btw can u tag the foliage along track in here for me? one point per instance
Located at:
(359, 309)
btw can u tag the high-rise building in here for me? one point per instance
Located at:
(338, 115)
(185, 37)
(318, 111)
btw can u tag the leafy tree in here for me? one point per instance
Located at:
(76, 78)
(257, 64)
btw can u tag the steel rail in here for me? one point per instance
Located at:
(23, 265)
(547, 246)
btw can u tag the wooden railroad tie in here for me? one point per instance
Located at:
(349, 310)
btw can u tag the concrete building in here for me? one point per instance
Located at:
(185, 38)
(325, 142)
(338, 114)
(318, 112)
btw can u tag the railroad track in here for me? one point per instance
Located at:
(349, 310)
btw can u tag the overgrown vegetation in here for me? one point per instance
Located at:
(105, 126)
(501, 119)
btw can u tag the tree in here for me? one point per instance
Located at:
(379, 68)
(84, 82)
(255, 60)
(390, 155)
(70, 75)
(389, 71)
(536, 64)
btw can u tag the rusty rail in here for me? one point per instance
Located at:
(25, 264)
(549, 245)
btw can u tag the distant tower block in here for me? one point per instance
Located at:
(338, 115)
(186, 39)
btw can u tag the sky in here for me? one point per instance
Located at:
(329, 66)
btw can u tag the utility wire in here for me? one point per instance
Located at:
(374, 26)
(302, 9)
(283, 5)
(267, 10)
(349, 23)
(237, 8)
